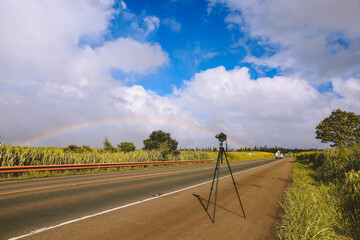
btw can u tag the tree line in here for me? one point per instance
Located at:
(340, 128)
(158, 140)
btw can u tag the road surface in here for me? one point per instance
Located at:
(29, 205)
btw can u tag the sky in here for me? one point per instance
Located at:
(265, 72)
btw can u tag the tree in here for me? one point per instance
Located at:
(77, 149)
(86, 148)
(341, 128)
(126, 146)
(72, 147)
(157, 137)
(160, 140)
(108, 146)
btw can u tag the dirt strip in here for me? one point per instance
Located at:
(182, 215)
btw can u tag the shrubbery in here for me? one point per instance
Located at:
(338, 172)
(337, 162)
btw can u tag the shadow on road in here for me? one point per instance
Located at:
(204, 202)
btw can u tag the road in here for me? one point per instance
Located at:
(28, 205)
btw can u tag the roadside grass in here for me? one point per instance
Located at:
(24, 156)
(310, 209)
(323, 201)
(20, 156)
(43, 174)
(232, 156)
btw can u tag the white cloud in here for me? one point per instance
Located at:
(125, 54)
(52, 77)
(318, 38)
(172, 24)
(55, 66)
(123, 4)
(257, 110)
(41, 42)
(349, 90)
(152, 23)
(37, 36)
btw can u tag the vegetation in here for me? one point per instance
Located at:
(74, 148)
(126, 147)
(158, 147)
(162, 141)
(232, 156)
(341, 128)
(21, 156)
(108, 146)
(324, 199)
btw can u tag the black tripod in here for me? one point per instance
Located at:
(217, 173)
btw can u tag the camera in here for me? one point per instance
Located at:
(221, 137)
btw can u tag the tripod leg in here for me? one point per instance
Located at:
(232, 177)
(217, 185)
(212, 185)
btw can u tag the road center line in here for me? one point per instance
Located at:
(128, 205)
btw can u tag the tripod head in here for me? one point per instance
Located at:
(221, 137)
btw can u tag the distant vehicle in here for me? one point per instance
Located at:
(278, 155)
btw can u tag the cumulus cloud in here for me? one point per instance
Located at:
(125, 54)
(36, 36)
(55, 71)
(317, 38)
(55, 66)
(55, 44)
(276, 111)
(349, 91)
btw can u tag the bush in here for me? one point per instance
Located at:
(337, 162)
(310, 211)
(108, 147)
(331, 205)
(349, 196)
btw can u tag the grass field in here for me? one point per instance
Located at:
(23, 156)
(324, 199)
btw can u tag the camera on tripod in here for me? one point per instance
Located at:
(222, 152)
(221, 136)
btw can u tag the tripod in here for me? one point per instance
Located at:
(217, 173)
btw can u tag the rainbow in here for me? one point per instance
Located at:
(87, 125)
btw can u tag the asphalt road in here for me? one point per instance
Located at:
(28, 205)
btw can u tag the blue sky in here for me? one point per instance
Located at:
(200, 40)
(264, 71)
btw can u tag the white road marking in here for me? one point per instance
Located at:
(127, 205)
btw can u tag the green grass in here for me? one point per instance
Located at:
(232, 156)
(324, 199)
(23, 156)
(43, 174)
(310, 209)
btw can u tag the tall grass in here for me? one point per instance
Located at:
(21, 156)
(232, 156)
(324, 199)
(310, 211)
